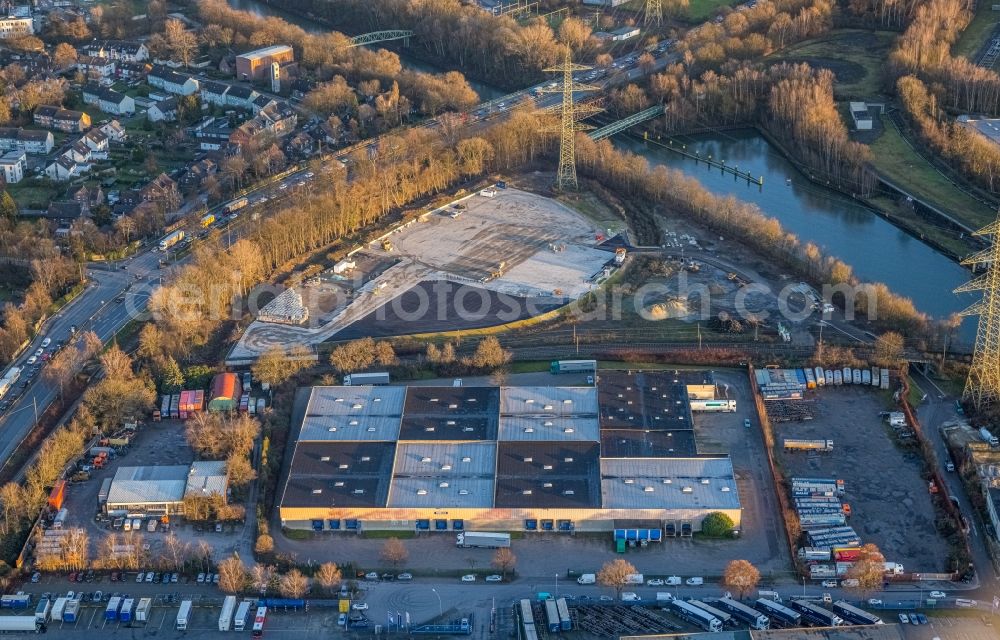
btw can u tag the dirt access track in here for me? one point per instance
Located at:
(515, 244)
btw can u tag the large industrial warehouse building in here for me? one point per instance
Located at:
(510, 458)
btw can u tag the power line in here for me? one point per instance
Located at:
(569, 125)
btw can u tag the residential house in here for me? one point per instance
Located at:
(164, 110)
(108, 100)
(16, 27)
(259, 103)
(66, 212)
(171, 81)
(124, 50)
(13, 164)
(213, 92)
(30, 141)
(279, 118)
(67, 120)
(89, 197)
(301, 144)
(96, 67)
(63, 168)
(132, 70)
(160, 190)
(115, 131)
(97, 141)
(196, 175)
(241, 97)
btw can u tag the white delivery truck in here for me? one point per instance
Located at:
(482, 539)
(142, 611)
(587, 578)
(240, 621)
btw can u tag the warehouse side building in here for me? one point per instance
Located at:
(503, 458)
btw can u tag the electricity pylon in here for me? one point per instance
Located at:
(654, 12)
(982, 386)
(569, 125)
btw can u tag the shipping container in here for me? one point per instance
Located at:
(57, 495)
(240, 621)
(142, 611)
(226, 615)
(125, 613)
(573, 366)
(111, 611)
(72, 611)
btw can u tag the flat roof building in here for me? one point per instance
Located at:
(161, 489)
(256, 65)
(507, 458)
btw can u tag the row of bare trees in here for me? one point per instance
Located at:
(974, 154)
(415, 164)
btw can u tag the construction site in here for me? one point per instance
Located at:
(494, 257)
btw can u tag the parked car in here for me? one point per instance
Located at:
(150, 576)
(342, 619)
(937, 595)
(494, 578)
(201, 578)
(607, 599)
(874, 602)
(98, 596)
(694, 581)
(904, 619)
(35, 577)
(32, 359)
(360, 606)
(654, 582)
(921, 617)
(830, 584)
(46, 342)
(175, 577)
(746, 423)
(404, 576)
(372, 575)
(468, 578)
(140, 577)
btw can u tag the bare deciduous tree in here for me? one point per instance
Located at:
(615, 574)
(394, 552)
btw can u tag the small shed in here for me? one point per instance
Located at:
(225, 392)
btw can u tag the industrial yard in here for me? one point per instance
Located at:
(476, 262)
(881, 468)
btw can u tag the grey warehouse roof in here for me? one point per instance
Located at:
(206, 477)
(148, 485)
(541, 428)
(356, 401)
(441, 460)
(668, 483)
(349, 428)
(436, 492)
(549, 401)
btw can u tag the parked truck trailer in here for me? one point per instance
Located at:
(358, 379)
(482, 540)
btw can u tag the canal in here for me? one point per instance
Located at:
(877, 250)
(485, 91)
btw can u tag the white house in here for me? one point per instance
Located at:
(115, 131)
(108, 100)
(172, 82)
(96, 66)
(164, 110)
(13, 164)
(241, 97)
(97, 141)
(28, 140)
(62, 169)
(214, 92)
(124, 50)
(15, 27)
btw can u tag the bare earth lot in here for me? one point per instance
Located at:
(889, 499)
(517, 244)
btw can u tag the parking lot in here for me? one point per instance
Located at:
(889, 498)
(156, 443)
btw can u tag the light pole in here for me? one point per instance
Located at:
(440, 608)
(557, 585)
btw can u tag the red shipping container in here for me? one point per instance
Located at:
(846, 554)
(57, 495)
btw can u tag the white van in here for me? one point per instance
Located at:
(674, 581)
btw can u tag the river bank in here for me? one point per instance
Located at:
(877, 249)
